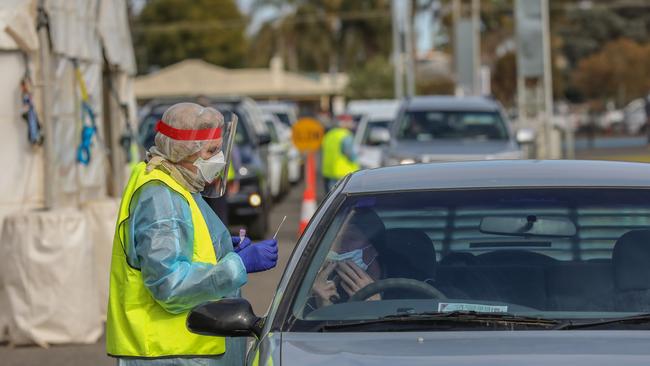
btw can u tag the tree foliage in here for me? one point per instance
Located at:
(318, 35)
(620, 72)
(585, 32)
(373, 80)
(504, 79)
(168, 31)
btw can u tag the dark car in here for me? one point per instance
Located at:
(250, 206)
(448, 128)
(464, 263)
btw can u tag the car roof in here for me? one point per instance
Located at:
(500, 174)
(450, 103)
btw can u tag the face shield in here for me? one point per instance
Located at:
(215, 170)
(220, 177)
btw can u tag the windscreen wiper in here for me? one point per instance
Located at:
(453, 318)
(634, 319)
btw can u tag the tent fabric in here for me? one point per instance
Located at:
(114, 31)
(21, 182)
(73, 29)
(101, 217)
(197, 77)
(17, 25)
(76, 182)
(48, 277)
(48, 264)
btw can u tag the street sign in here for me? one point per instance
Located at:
(307, 134)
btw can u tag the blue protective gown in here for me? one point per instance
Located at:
(160, 235)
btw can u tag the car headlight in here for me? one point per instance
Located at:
(407, 161)
(255, 200)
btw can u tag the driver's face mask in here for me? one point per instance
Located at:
(354, 256)
(209, 169)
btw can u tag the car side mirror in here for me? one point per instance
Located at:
(526, 136)
(225, 318)
(379, 136)
(264, 139)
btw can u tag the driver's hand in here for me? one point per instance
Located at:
(324, 289)
(354, 278)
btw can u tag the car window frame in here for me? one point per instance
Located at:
(284, 320)
(400, 122)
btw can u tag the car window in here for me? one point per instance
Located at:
(549, 253)
(272, 131)
(147, 130)
(372, 125)
(284, 118)
(430, 125)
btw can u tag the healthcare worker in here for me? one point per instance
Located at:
(171, 252)
(339, 157)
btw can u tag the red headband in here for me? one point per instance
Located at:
(188, 135)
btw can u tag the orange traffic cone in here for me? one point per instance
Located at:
(309, 196)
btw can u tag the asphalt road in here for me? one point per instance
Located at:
(259, 291)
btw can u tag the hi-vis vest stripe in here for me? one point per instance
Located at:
(335, 164)
(137, 325)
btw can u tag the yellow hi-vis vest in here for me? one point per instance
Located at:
(137, 325)
(335, 165)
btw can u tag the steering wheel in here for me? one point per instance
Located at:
(397, 283)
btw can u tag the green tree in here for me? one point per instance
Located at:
(317, 35)
(620, 72)
(373, 80)
(168, 31)
(585, 32)
(504, 79)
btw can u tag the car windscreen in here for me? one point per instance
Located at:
(284, 118)
(545, 253)
(372, 125)
(273, 133)
(459, 125)
(147, 130)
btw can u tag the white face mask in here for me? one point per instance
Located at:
(354, 256)
(208, 169)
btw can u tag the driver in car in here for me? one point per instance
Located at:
(352, 261)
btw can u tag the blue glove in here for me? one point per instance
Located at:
(238, 246)
(260, 256)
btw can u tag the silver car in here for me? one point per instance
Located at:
(466, 263)
(448, 128)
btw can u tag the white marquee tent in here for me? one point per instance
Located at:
(57, 214)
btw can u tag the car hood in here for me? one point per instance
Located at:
(453, 149)
(498, 348)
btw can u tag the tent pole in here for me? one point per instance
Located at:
(46, 103)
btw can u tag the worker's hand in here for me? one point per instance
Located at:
(325, 290)
(260, 256)
(354, 278)
(238, 245)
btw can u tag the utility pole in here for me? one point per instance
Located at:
(402, 14)
(534, 78)
(397, 51)
(467, 46)
(476, 46)
(408, 40)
